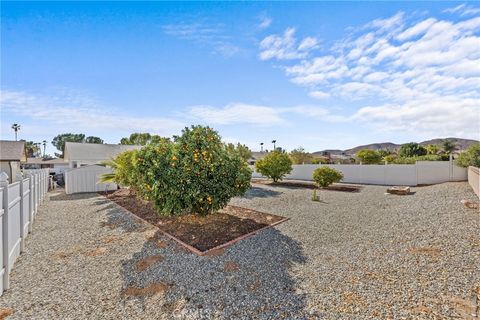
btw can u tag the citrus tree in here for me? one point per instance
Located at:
(193, 174)
(276, 165)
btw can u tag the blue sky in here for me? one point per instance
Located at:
(317, 75)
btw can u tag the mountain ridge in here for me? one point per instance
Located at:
(461, 144)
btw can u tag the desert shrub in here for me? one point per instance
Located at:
(404, 160)
(300, 156)
(368, 156)
(276, 165)
(470, 157)
(240, 149)
(411, 149)
(193, 174)
(325, 176)
(318, 161)
(124, 170)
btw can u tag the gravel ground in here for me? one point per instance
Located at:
(351, 256)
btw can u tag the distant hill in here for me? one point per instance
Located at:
(461, 144)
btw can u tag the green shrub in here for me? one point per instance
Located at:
(124, 169)
(194, 174)
(470, 157)
(240, 149)
(325, 176)
(368, 156)
(411, 149)
(276, 165)
(318, 161)
(300, 156)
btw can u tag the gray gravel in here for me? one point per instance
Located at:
(351, 256)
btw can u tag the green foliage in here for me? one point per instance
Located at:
(432, 149)
(470, 157)
(390, 158)
(142, 139)
(193, 174)
(368, 156)
(59, 141)
(240, 149)
(411, 149)
(276, 165)
(318, 161)
(300, 156)
(412, 160)
(124, 168)
(325, 176)
(32, 149)
(92, 139)
(449, 146)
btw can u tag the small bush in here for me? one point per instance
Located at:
(325, 176)
(411, 149)
(470, 157)
(276, 165)
(368, 156)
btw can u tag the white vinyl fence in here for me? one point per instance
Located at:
(474, 179)
(86, 179)
(423, 172)
(19, 202)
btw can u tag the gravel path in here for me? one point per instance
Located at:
(351, 256)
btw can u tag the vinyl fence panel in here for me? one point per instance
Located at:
(18, 205)
(423, 172)
(86, 179)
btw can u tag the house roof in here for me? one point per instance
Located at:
(46, 161)
(75, 151)
(12, 150)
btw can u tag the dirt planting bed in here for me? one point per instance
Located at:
(200, 233)
(308, 185)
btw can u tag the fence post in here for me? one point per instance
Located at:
(31, 207)
(4, 185)
(19, 177)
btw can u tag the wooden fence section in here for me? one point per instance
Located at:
(19, 203)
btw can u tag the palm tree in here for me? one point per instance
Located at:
(15, 128)
(449, 146)
(44, 142)
(261, 146)
(274, 141)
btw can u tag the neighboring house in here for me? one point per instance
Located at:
(55, 165)
(11, 154)
(83, 154)
(256, 156)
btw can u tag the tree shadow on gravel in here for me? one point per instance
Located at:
(250, 280)
(256, 192)
(117, 217)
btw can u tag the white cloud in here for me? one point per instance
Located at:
(236, 113)
(265, 22)
(319, 94)
(286, 47)
(213, 36)
(400, 72)
(463, 10)
(72, 112)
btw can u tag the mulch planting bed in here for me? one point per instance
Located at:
(309, 185)
(200, 234)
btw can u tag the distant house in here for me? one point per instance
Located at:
(83, 154)
(256, 156)
(55, 165)
(11, 154)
